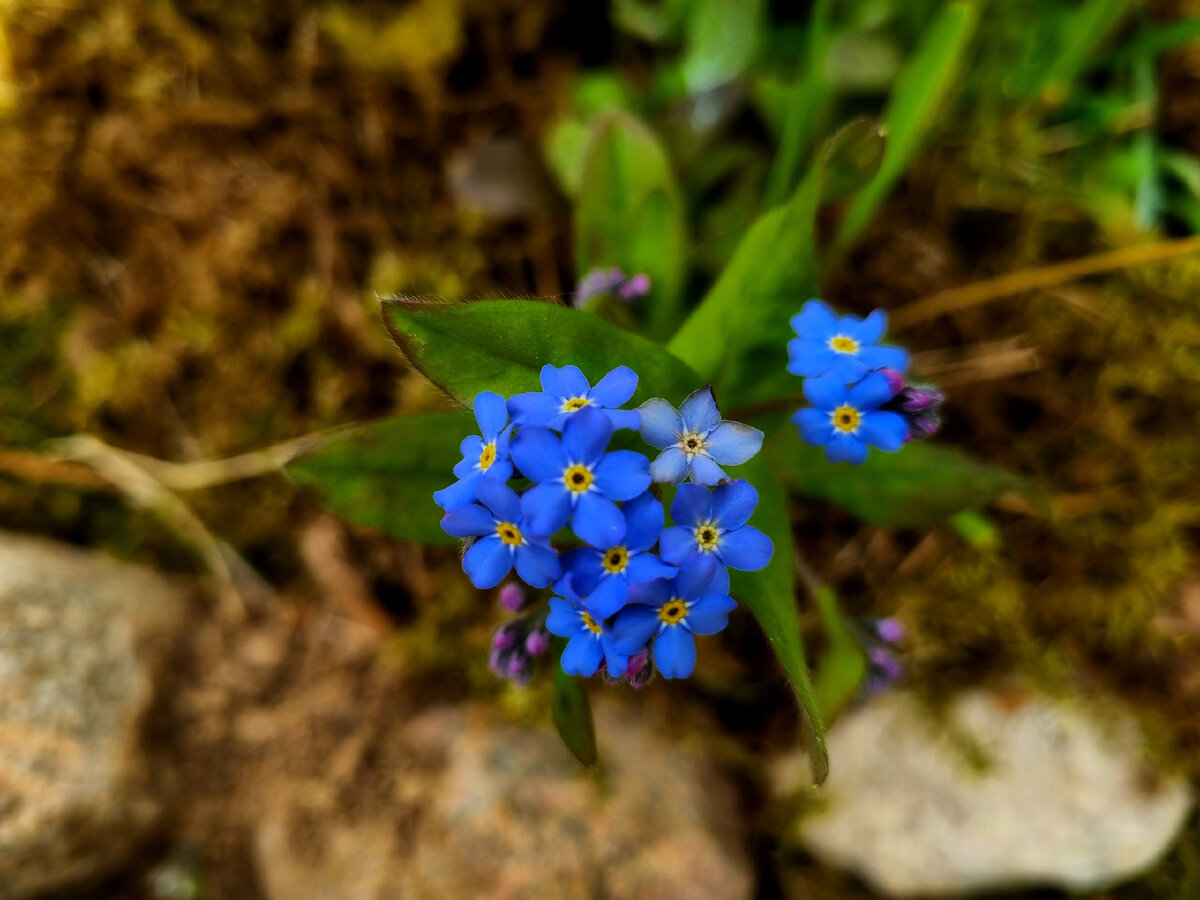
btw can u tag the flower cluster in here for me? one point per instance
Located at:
(631, 588)
(611, 282)
(856, 385)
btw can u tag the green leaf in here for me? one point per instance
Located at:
(771, 596)
(384, 474)
(572, 713)
(844, 664)
(721, 37)
(924, 84)
(630, 215)
(501, 346)
(918, 486)
(737, 337)
(1082, 33)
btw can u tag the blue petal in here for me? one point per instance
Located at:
(469, 521)
(677, 543)
(563, 619)
(825, 392)
(847, 368)
(807, 358)
(585, 435)
(699, 411)
(471, 448)
(885, 430)
(885, 358)
(622, 475)
(568, 381)
(704, 471)
(643, 522)
(491, 412)
(661, 425)
(583, 655)
(534, 408)
(732, 443)
(675, 652)
(460, 493)
(692, 505)
(615, 388)
(710, 613)
(537, 564)
(545, 508)
(487, 562)
(608, 597)
(584, 564)
(733, 503)
(634, 626)
(670, 467)
(624, 418)
(871, 329)
(598, 521)
(815, 321)
(647, 567)
(816, 427)
(696, 574)
(652, 593)
(746, 549)
(720, 582)
(616, 661)
(539, 455)
(565, 588)
(500, 499)
(869, 393)
(845, 448)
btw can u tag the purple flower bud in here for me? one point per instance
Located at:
(920, 397)
(895, 380)
(890, 631)
(537, 642)
(637, 286)
(639, 670)
(512, 597)
(885, 664)
(504, 636)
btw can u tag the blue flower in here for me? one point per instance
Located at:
(484, 456)
(576, 480)
(695, 439)
(842, 349)
(504, 540)
(846, 419)
(671, 612)
(590, 640)
(603, 574)
(714, 524)
(566, 391)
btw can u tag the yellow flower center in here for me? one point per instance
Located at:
(843, 344)
(846, 418)
(488, 456)
(575, 403)
(691, 443)
(509, 533)
(706, 536)
(578, 478)
(615, 559)
(673, 611)
(590, 623)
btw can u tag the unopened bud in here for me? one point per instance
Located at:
(635, 287)
(504, 636)
(890, 631)
(537, 642)
(512, 597)
(895, 380)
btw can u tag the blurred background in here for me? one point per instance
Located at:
(214, 688)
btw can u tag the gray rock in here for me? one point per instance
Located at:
(1008, 790)
(80, 636)
(484, 809)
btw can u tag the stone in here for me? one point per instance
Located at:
(81, 637)
(483, 808)
(1003, 791)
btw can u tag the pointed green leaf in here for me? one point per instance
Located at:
(844, 665)
(501, 346)
(383, 475)
(572, 713)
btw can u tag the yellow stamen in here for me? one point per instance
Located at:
(616, 559)
(488, 456)
(590, 623)
(509, 533)
(673, 611)
(691, 443)
(578, 478)
(846, 418)
(843, 344)
(575, 403)
(706, 536)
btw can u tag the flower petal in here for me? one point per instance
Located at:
(585, 435)
(885, 430)
(704, 471)
(885, 358)
(634, 626)
(608, 597)
(652, 593)
(469, 521)
(647, 567)
(491, 412)
(598, 521)
(827, 392)
(676, 543)
(847, 368)
(692, 505)
(710, 613)
(537, 564)
(538, 453)
(871, 329)
(568, 381)
(808, 358)
(695, 574)
(615, 388)
(500, 499)
(585, 568)
(487, 562)
(661, 425)
(845, 448)
(815, 321)
(675, 652)
(582, 655)
(622, 475)
(733, 503)
(669, 467)
(624, 418)
(545, 508)
(732, 443)
(563, 619)
(815, 425)
(643, 522)
(460, 493)
(614, 658)
(746, 549)
(534, 408)
(699, 411)
(873, 390)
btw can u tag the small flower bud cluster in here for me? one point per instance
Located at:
(517, 642)
(611, 282)
(634, 591)
(881, 641)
